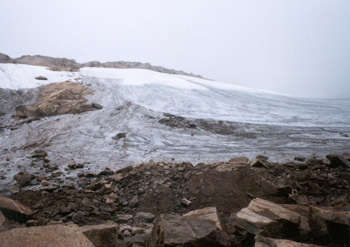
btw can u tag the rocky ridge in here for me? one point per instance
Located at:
(58, 64)
(234, 203)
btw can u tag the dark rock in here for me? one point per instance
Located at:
(97, 106)
(119, 136)
(300, 158)
(39, 154)
(338, 160)
(106, 171)
(74, 165)
(41, 78)
(23, 178)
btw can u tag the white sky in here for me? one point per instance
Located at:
(295, 47)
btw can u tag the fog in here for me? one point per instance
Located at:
(299, 48)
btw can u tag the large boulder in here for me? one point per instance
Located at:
(104, 235)
(197, 228)
(43, 236)
(330, 225)
(268, 218)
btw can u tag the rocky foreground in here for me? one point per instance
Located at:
(234, 203)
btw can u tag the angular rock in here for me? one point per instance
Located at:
(174, 230)
(144, 217)
(209, 213)
(233, 163)
(14, 206)
(270, 218)
(104, 235)
(23, 178)
(338, 160)
(259, 163)
(43, 236)
(270, 242)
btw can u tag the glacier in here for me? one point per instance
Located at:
(135, 100)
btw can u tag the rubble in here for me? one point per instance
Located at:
(224, 203)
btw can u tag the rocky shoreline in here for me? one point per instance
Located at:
(234, 203)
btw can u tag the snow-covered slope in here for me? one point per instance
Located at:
(229, 120)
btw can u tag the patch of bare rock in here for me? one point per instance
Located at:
(57, 99)
(234, 203)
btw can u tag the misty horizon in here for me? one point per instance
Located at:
(296, 49)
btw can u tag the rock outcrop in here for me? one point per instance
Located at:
(58, 64)
(57, 99)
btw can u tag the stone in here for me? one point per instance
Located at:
(299, 158)
(123, 218)
(43, 236)
(8, 204)
(338, 160)
(144, 217)
(49, 188)
(41, 78)
(186, 202)
(39, 154)
(259, 163)
(23, 178)
(232, 164)
(96, 106)
(209, 213)
(105, 235)
(270, 242)
(174, 230)
(262, 216)
(119, 136)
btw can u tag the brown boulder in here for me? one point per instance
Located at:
(58, 98)
(101, 235)
(23, 178)
(8, 204)
(43, 236)
(196, 228)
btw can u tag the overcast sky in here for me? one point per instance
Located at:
(296, 47)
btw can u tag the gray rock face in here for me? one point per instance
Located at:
(43, 236)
